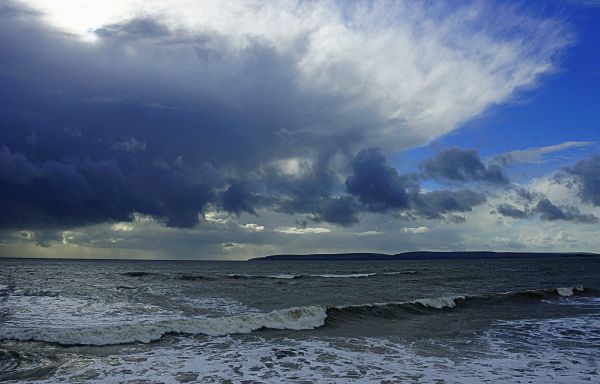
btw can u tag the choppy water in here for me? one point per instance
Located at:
(452, 321)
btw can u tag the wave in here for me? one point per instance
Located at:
(278, 276)
(343, 276)
(285, 276)
(192, 277)
(139, 274)
(297, 318)
(450, 302)
(301, 318)
(322, 275)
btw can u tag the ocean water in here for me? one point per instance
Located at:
(452, 321)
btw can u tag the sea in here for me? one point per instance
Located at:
(428, 321)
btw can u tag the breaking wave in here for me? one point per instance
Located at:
(298, 318)
(146, 332)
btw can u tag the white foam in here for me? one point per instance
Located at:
(63, 311)
(439, 302)
(330, 360)
(217, 305)
(283, 276)
(342, 276)
(291, 276)
(569, 291)
(278, 276)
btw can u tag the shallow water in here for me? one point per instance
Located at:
(406, 321)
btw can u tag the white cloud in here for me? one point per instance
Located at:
(301, 231)
(538, 154)
(414, 230)
(253, 227)
(232, 245)
(122, 227)
(217, 217)
(69, 236)
(558, 193)
(369, 233)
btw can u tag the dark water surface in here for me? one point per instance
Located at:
(451, 321)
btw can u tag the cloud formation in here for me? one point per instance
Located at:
(74, 192)
(551, 212)
(537, 154)
(377, 185)
(200, 116)
(509, 210)
(587, 176)
(462, 165)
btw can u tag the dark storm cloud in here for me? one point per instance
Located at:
(379, 188)
(178, 95)
(73, 192)
(509, 210)
(435, 203)
(587, 174)
(93, 133)
(341, 210)
(238, 198)
(461, 165)
(376, 184)
(550, 212)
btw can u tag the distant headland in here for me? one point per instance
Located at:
(421, 255)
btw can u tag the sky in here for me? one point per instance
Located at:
(229, 130)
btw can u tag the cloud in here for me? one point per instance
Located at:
(379, 188)
(509, 210)
(414, 230)
(377, 185)
(253, 227)
(551, 212)
(75, 192)
(460, 165)
(122, 227)
(369, 233)
(195, 114)
(587, 176)
(435, 204)
(130, 144)
(373, 185)
(391, 74)
(404, 69)
(537, 154)
(301, 231)
(237, 199)
(134, 29)
(230, 246)
(341, 210)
